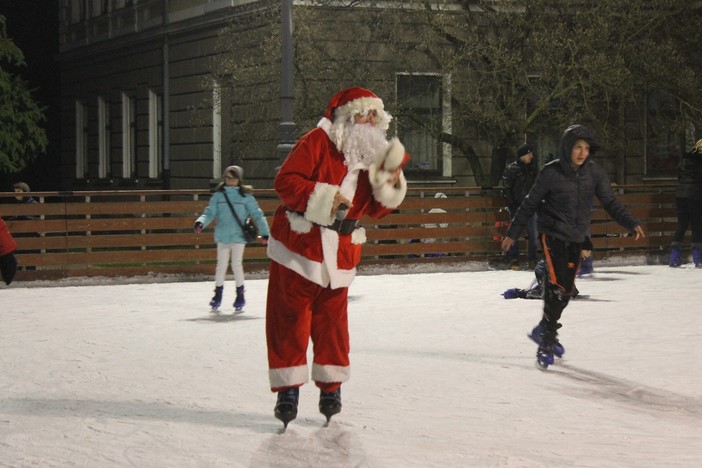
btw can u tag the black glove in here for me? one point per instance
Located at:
(198, 227)
(8, 267)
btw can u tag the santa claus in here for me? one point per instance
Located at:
(334, 175)
(8, 262)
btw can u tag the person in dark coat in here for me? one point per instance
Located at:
(562, 197)
(517, 180)
(688, 202)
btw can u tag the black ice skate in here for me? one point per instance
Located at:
(330, 403)
(286, 406)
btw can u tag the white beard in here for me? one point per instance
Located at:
(362, 142)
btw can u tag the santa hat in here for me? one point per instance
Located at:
(351, 101)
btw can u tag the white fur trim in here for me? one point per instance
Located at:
(394, 154)
(303, 266)
(298, 223)
(330, 249)
(390, 157)
(288, 376)
(329, 373)
(320, 204)
(325, 124)
(357, 106)
(358, 236)
(388, 195)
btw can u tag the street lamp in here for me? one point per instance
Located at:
(287, 124)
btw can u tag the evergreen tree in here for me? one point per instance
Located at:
(21, 136)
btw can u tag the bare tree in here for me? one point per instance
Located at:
(518, 67)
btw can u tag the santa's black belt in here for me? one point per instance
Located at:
(345, 226)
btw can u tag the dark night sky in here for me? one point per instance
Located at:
(33, 26)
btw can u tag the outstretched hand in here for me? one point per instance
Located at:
(507, 243)
(638, 230)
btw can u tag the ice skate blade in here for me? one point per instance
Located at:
(285, 416)
(541, 366)
(330, 411)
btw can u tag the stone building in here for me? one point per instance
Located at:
(145, 105)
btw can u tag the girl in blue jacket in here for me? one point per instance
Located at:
(228, 233)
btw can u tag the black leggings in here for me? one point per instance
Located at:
(689, 216)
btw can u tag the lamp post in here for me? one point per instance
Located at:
(287, 125)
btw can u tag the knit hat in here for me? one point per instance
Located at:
(524, 149)
(236, 171)
(351, 101)
(25, 188)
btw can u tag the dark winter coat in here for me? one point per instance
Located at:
(562, 197)
(517, 181)
(690, 176)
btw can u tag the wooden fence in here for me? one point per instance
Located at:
(141, 233)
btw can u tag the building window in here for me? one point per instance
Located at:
(81, 140)
(664, 143)
(103, 138)
(155, 134)
(216, 130)
(128, 136)
(99, 7)
(77, 11)
(420, 119)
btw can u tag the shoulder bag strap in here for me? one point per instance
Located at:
(241, 225)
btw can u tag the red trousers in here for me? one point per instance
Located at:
(297, 310)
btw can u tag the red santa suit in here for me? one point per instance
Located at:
(313, 258)
(8, 263)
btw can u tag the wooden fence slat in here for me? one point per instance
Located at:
(130, 232)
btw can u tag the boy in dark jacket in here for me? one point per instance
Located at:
(688, 201)
(517, 180)
(562, 196)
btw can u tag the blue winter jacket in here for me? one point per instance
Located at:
(227, 230)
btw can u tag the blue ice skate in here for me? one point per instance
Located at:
(537, 336)
(586, 270)
(544, 357)
(675, 257)
(239, 302)
(217, 298)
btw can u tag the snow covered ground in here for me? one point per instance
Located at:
(442, 376)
